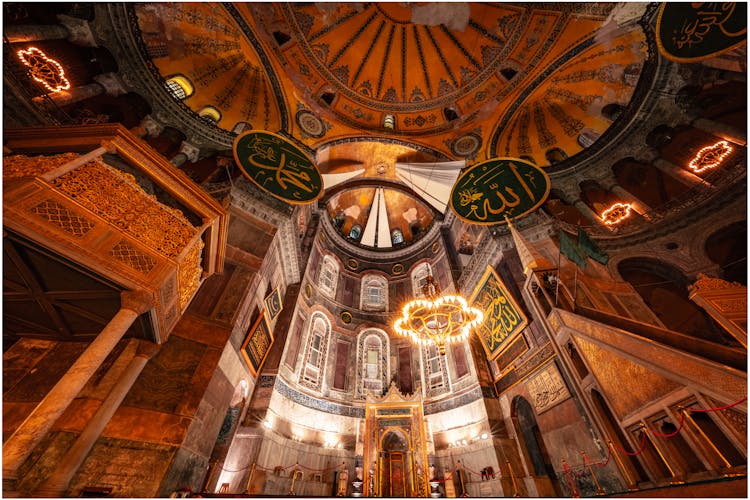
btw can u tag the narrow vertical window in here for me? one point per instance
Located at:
(317, 344)
(329, 277)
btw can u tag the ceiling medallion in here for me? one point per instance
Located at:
(278, 167)
(397, 269)
(436, 318)
(352, 264)
(710, 156)
(616, 213)
(346, 317)
(310, 124)
(467, 145)
(690, 32)
(490, 191)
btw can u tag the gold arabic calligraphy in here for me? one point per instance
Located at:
(502, 318)
(709, 14)
(507, 197)
(288, 170)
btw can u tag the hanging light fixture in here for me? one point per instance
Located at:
(437, 318)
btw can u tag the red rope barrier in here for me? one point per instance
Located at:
(726, 407)
(604, 464)
(643, 447)
(671, 434)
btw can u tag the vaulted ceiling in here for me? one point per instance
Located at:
(461, 80)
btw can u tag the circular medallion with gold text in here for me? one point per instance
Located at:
(278, 167)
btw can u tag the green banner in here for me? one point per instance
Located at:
(278, 167)
(492, 190)
(693, 31)
(503, 318)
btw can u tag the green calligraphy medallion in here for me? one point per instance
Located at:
(692, 32)
(497, 188)
(278, 167)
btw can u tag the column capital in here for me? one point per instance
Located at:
(147, 349)
(152, 126)
(139, 301)
(79, 30)
(192, 152)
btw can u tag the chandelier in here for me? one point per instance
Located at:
(437, 318)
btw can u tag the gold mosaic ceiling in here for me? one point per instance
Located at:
(462, 80)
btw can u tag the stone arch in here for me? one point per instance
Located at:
(664, 289)
(532, 443)
(373, 362)
(557, 207)
(595, 196)
(647, 183)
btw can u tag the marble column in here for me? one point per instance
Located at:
(32, 33)
(69, 464)
(728, 132)
(179, 159)
(73, 29)
(587, 212)
(108, 83)
(187, 152)
(32, 431)
(680, 174)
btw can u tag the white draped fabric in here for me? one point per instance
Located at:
(432, 181)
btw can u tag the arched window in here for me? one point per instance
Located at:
(419, 277)
(555, 155)
(329, 276)
(397, 236)
(180, 87)
(435, 371)
(315, 354)
(210, 114)
(374, 294)
(372, 362)
(355, 232)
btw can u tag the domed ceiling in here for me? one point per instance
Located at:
(460, 81)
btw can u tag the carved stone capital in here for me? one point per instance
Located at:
(139, 301)
(190, 151)
(79, 29)
(112, 84)
(152, 126)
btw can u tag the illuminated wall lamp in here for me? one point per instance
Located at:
(616, 213)
(710, 156)
(44, 70)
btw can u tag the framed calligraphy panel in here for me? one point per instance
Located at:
(257, 344)
(503, 318)
(547, 388)
(692, 32)
(278, 167)
(273, 304)
(492, 190)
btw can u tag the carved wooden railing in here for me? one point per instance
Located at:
(119, 209)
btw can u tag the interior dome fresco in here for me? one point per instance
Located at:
(374, 249)
(532, 78)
